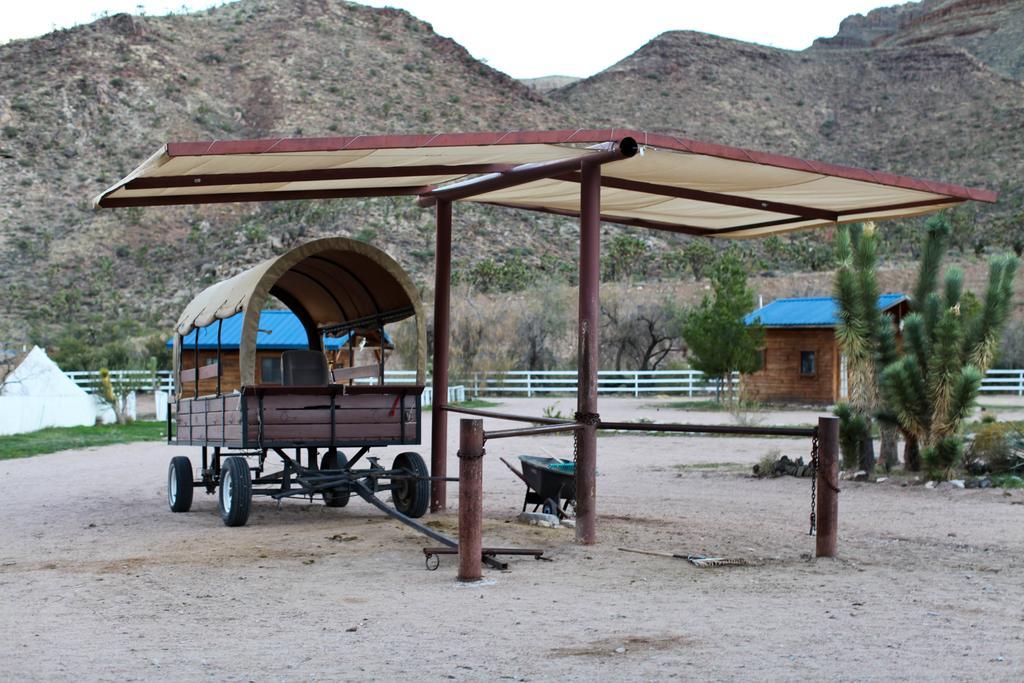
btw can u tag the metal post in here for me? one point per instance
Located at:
(442, 302)
(471, 498)
(589, 325)
(827, 514)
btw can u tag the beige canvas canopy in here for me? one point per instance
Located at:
(672, 184)
(328, 283)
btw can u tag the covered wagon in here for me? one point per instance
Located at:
(336, 287)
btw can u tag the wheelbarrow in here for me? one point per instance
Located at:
(549, 482)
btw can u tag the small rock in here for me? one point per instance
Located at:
(881, 479)
(861, 475)
(971, 483)
(929, 484)
(538, 519)
(352, 629)
(957, 483)
(984, 483)
(620, 649)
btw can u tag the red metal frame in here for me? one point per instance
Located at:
(439, 373)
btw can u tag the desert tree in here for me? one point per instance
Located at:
(640, 334)
(949, 340)
(867, 339)
(719, 340)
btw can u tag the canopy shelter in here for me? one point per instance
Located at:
(620, 176)
(334, 286)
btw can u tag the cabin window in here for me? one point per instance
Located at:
(807, 366)
(270, 370)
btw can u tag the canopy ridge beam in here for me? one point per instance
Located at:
(272, 196)
(527, 173)
(310, 175)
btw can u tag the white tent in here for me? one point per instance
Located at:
(35, 393)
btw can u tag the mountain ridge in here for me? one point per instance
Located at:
(83, 106)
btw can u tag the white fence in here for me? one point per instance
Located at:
(1000, 381)
(90, 379)
(635, 382)
(538, 382)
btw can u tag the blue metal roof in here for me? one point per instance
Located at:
(277, 330)
(808, 312)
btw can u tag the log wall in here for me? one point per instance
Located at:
(780, 379)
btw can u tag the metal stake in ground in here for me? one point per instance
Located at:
(471, 454)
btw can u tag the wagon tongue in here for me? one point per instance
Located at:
(450, 545)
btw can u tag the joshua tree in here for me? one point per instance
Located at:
(867, 338)
(949, 341)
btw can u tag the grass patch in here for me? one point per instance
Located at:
(699, 466)
(1007, 481)
(707, 405)
(56, 439)
(471, 403)
(972, 427)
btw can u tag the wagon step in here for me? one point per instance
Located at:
(488, 555)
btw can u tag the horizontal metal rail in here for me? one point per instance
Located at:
(530, 431)
(707, 429)
(507, 416)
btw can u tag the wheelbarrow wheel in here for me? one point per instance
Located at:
(235, 491)
(411, 496)
(551, 508)
(179, 484)
(335, 460)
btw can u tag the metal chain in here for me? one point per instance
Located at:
(814, 482)
(583, 418)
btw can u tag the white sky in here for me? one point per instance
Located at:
(527, 38)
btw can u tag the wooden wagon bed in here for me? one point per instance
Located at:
(269, 416)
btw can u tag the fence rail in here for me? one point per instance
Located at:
(635, 382)
(999, 381)
(144, 379)
(533, 383)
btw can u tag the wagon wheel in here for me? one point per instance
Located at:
(179, 484)
(411, 496)
(235, 491)
(335, 460)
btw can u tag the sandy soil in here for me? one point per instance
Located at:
(99, 580)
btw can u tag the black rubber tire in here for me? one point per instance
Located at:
(550, 507)
(411, 497)
(179, 484)
(335, 460)
(236, 485)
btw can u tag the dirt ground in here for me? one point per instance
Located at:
(98, 580)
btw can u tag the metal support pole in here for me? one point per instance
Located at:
(589, 326)
(827, 514)
(471, 498)
(442, 303)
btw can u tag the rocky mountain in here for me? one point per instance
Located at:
(931, 89)
(928, 110)
(991, 30)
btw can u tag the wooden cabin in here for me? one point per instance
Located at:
(279, 331)
(801, 361)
